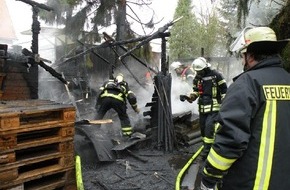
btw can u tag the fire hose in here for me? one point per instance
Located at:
(79, 178)
(185, 167)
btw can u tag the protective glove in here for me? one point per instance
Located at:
(183, 98)
(137, 110)
(203, 187)
(192, 97)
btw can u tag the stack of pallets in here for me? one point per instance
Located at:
(36, 145)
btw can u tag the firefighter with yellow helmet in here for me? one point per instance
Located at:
(113, 95)
(209, 87)
(251, 146)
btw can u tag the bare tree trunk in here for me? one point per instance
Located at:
(121, 20)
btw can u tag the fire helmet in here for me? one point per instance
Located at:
(176, 64)
(199, 64)
(258, 40)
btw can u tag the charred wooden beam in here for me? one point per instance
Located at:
(26, 52)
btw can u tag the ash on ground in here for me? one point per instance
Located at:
(141, 166)
(127, 173)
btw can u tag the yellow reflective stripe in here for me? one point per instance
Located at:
(214, 91)
(221, 82)
(217, 126)
(118, 97)
(223, 96)
(127, 130)
(209, 174)
(207, 108)
(218, 161)
(124, 90)
(266, 150)
(215, 104)
(208, 140)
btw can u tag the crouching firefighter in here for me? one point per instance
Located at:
(210, 87)
(114, 94)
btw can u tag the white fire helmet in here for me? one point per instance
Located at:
(258, 40)
(200, 63)
(175, 65)
(119, 77)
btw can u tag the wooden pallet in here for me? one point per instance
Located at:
(36, 143)
(22, 115)
(35, 136)
(26, 161)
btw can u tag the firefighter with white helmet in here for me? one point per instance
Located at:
(113, 95)
(184, 72)
(200, 63)
(210, 87)
(175, 65)
(251, 146)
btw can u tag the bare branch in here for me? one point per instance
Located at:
(140, 4)
(138, 19)
(279, 3)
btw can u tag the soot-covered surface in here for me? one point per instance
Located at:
(138, 167)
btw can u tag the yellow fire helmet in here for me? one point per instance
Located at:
(258, 40)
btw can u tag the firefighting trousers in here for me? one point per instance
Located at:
(206, 122)
(107, 103)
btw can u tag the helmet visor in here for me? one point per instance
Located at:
(240, 44)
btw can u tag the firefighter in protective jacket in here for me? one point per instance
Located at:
(114, 94)
(210, 87)
(251, 147)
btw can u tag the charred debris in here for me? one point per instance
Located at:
(163, 131)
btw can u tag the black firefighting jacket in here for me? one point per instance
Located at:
(119, 91)
(211, 89)
(252, 146)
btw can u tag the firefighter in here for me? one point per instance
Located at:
(251, 147)
(114, 94)
(185, 73)
(209, 87)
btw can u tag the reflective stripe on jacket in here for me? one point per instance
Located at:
(119, 91)
(210, 89)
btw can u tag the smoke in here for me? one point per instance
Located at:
(181, 88)
(262, 12)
